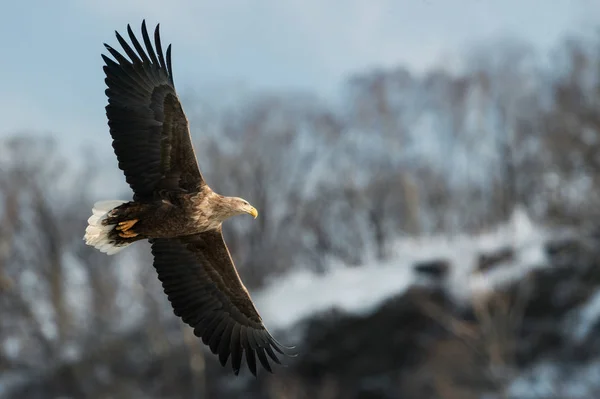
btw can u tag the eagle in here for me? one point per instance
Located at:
(174, 208)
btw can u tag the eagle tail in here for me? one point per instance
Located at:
(98, 234)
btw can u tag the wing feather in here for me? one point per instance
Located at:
(137, 45)
(236, 349)
(248, 350)
(224, 345)
(148, 44)
(169, 64)
(215, 339)
(158, 45)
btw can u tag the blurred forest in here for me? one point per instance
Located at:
(399, 154)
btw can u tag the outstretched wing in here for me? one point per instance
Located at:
(150, 131)
(205, 290)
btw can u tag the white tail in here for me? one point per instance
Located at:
(96, 234)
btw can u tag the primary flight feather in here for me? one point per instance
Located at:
(174, 208)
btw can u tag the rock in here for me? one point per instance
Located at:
(488, 261)
(436, 269)
(560, 251)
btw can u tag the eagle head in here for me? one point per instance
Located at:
(232, 206)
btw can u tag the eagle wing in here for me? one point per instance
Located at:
(205, 290)
(150, 131)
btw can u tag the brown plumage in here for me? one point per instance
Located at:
(174, 208)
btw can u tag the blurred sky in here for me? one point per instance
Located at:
(52, 80)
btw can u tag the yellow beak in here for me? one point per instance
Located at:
(253, 212)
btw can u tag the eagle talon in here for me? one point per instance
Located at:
(126, 225)
(127, 234)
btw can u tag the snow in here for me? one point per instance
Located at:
(359, 290)
(356, 290)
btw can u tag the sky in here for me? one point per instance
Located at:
(52, 79)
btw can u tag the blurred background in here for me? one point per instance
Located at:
(426, 174)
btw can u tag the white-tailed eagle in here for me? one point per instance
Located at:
(174, 208)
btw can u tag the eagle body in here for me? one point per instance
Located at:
(174, 208)
(172, 214)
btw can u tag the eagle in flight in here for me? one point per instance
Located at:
(173, 207)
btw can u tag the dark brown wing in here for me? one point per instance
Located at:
(150, 131)
(205, 290)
